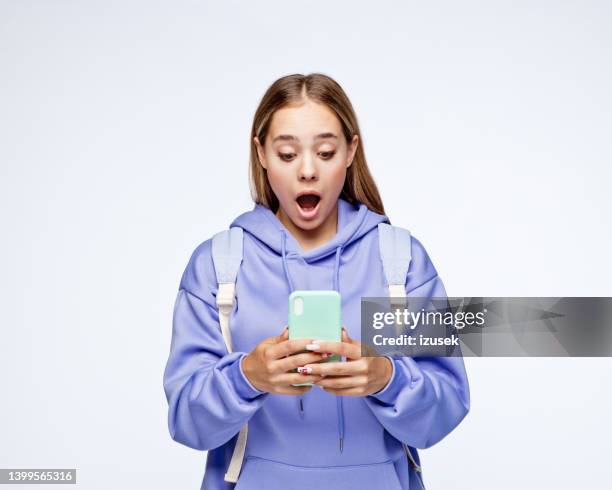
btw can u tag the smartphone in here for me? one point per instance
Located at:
(315, 315)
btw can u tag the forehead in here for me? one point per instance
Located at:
(304, 120)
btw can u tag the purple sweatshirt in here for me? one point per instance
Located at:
(294, 442)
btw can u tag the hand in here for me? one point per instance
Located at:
(358, 376)
(267, 366)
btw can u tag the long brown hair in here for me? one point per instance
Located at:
(359, 186)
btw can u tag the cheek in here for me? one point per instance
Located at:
(279, 181)
(336, 175)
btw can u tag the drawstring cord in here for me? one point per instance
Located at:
(339, 402)
(285, 268)
(300, 398)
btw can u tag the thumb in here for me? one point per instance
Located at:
(277, 339)
(345, 337)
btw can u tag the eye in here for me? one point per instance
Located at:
(327, 155)
(286, 156)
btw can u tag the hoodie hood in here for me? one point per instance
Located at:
(354, 221)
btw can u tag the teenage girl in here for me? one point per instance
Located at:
(313, 226)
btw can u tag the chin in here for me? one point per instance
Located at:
(306, 224)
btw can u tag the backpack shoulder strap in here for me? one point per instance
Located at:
(395, 252)
(227, 257)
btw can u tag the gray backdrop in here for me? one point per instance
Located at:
(124, 129)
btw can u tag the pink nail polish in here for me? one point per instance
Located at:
(305, 370)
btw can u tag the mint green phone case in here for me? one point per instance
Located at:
(315, 315)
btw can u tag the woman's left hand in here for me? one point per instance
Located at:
(358, 376)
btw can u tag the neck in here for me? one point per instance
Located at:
(311, 239)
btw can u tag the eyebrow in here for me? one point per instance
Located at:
(290, 137)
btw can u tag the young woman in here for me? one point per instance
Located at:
(314, 226)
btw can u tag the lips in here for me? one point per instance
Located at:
(308, 201)
(308, 204)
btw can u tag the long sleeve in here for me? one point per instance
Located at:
(426, 397)
(209, 397)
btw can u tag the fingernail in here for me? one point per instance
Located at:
(325, 355)
(313, 346)
(318, 341)
(304, 370)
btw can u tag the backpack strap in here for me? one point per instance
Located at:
(227, 257)
(395, 253)
(415, 465)
(394, 244)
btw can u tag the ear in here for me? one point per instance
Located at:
(352, 150)
(260, 153)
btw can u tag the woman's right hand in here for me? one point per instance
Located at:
(267, 366)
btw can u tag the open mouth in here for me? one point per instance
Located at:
(308, 201)
(308, 205)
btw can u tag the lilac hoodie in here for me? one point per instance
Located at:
(317, 439)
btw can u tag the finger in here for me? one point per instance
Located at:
(275, 339)
(288, 379)
(340, 348)
(347, 338)
(288, 347)
(351, 368)
(342, 382)
(294, 361)
(356, 391)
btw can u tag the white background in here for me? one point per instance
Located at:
(124, 132)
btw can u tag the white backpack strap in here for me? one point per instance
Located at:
(415, 465)
(395, 253)
(227, 256)
(233, 470)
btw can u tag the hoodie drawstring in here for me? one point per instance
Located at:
(300, 398)
(285, 268)
(339, 402)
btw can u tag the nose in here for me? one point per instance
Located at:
(308, 169)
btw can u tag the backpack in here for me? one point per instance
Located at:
(394, 246)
